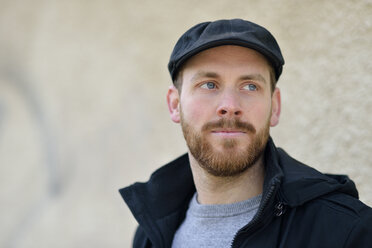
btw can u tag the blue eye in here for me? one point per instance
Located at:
(209, 85)
(250, 87)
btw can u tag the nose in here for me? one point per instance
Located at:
(229, 106)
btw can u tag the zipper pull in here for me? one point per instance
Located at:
(279, 209)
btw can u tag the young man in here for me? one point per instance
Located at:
(234, 187)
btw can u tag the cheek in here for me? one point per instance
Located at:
(260, 113)
(196, 110)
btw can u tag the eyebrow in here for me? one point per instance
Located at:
(201, 74)
(257, 77)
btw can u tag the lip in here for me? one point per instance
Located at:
(228, 132)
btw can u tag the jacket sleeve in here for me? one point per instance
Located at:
(140, 239)
(361, 234)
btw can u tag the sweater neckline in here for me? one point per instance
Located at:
(223, 210)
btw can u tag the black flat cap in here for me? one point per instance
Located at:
(226, 32)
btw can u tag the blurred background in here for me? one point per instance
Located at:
(83, 110)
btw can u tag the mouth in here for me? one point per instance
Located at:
(228, 132)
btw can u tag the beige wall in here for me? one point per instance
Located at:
(82, 104)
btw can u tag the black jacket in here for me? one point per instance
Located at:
(300, 207)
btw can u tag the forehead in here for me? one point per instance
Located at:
(228, 59)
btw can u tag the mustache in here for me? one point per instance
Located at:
(235, 124)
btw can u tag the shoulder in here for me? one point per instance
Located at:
(327, 206)
(342, 207)
(332, 220)
(345, 215)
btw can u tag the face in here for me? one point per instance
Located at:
(226, 108)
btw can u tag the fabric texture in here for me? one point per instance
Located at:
(300, 207)
(216, 225)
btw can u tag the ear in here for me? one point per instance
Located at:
(275, 107)
(173, 100)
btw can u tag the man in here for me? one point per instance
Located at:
(234, 187)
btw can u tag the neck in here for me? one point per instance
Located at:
(226, 190)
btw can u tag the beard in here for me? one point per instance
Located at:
(232, 160)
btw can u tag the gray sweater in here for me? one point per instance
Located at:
(214, 225)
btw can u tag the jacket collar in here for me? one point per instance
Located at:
(303, 183)
(160, 204)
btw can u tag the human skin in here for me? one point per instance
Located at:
(226, 82)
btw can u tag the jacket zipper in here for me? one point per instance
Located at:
(259, 213)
